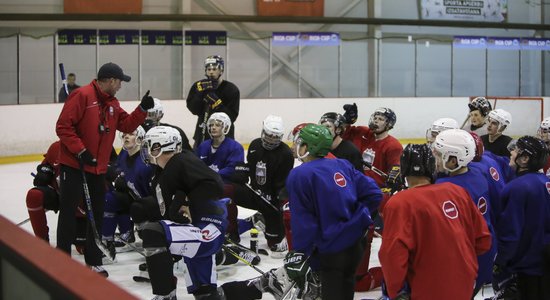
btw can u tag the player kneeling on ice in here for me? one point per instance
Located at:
(194, 217)
(432, 235)
(330, 205)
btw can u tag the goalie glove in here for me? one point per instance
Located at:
(206, 85)
(213, 100)
(351, 113)
(297, 268)
(179, 209)
(395, 180)
(44, 175)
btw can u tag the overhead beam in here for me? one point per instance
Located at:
(263, 19)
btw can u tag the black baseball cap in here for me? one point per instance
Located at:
(112, 70)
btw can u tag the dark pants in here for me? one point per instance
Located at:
(274, 228)
(338, 272)
(71, 193)
(532, 287)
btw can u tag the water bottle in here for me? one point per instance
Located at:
(254, 239)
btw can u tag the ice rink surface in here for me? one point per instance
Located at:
(15, 180)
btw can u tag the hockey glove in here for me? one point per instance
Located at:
(179, 209)
(368, 158)
(85, 157)
(206, 85)
(147, 102)
(297, 268)
(44, 175)
(213, 100)
(112, 172)
(240, 175)
(351, 113)
(120, 184)
(395, 180)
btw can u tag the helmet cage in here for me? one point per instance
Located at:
(272, 132)
(139, 136)
(159, 140)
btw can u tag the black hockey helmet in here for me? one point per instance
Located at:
(481, 104)
(336, 119)
(535, 149)
(390, 115)
(418, 160)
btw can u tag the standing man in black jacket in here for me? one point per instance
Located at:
(211, 95)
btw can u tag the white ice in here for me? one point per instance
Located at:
(15, 180)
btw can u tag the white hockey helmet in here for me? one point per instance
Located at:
(140, 135)
(157, 112)
(272, 132)
(438, 126)
(501, 116)
(544, 130)
(158, 140)
(455, 142)
(221, 117)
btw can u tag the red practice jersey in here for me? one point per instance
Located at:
(432, 236)
(387, 151)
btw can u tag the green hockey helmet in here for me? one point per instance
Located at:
(317, 138)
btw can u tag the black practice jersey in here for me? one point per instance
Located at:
(499, 146)
(230, 96)
(269, 168)
(186, 173)
(347, 150)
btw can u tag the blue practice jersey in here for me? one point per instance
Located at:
(493, 173)
(330, 205)
(524, 224)
(136, 173)
(504, 163)
(477, 186)
(224, 159)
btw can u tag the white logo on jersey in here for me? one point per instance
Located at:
(450, 210)
(339, 179)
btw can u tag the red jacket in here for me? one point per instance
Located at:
(78, 126)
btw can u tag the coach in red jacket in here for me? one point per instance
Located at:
(86, 127)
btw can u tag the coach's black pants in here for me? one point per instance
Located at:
(71, 193)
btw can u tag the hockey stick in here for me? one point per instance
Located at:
(63, 78)
(237, 256)
(260, 251)
(24, 221)
(261, 196)
(91, 219)
(134, 248)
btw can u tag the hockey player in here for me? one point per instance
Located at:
(524, 225)
(194, 217)
(222, 154)
(496, 142)
(381, 153)
(134, 177)
(543, 133)
(479, 109)
(211, 95)
(330, 205)
(155, 114)
(454, 149)
(432, 234)
(44, 196)
(384, 150)
(493, 172)
(438, 126)
(341, 148)
(268, 163)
